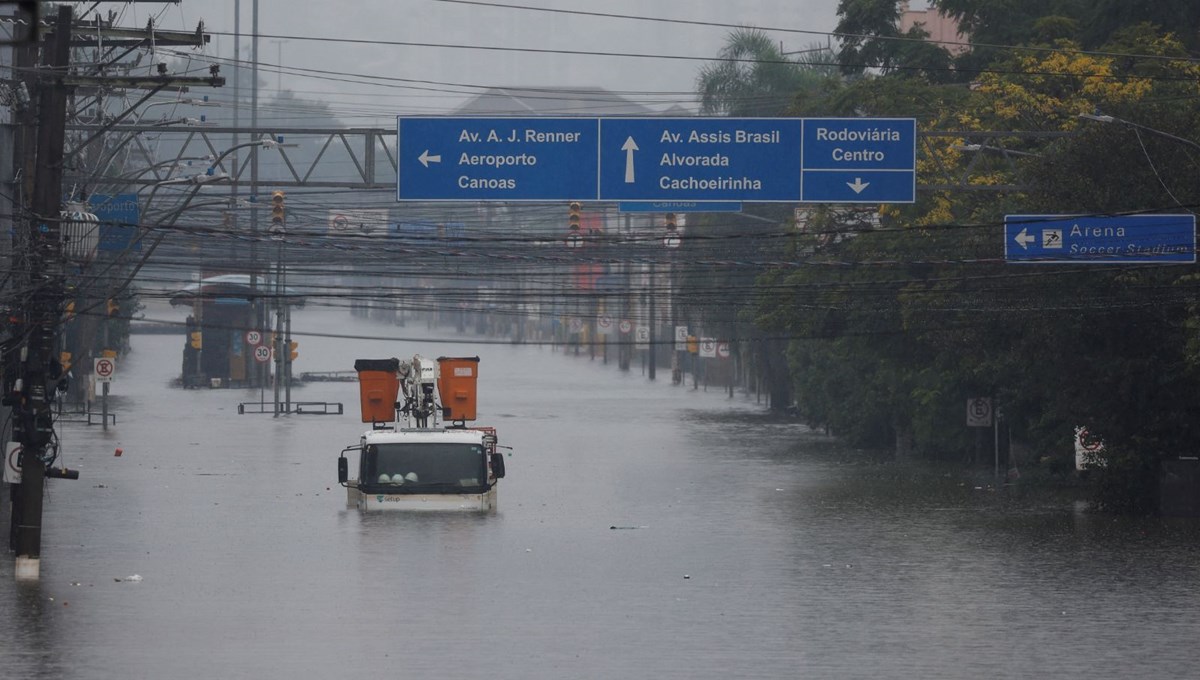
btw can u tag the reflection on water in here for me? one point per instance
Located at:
(757, 548)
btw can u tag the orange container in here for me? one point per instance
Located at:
(378, 387)
(457, 378)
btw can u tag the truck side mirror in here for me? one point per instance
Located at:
(343, 470)
(498, 465)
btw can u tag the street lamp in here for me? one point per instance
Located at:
(977, 148)
(1137, 126)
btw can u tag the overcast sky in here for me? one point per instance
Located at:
(655, 81)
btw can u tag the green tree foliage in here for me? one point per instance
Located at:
(868, 32)
(752, 77)
(893, 328)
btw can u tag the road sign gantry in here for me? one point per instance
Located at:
(659, 159)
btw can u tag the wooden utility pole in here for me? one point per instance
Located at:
(38, 369)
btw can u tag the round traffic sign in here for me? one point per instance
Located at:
(340, 222)
(625, 326)
(14, 463)
(262, 354)
(723, 350)
(604, 321)
(105, 367)
(253, 338)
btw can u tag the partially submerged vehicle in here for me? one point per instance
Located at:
(420, 454)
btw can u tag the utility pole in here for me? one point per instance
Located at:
(38, 369)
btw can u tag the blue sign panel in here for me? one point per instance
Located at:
(666, 160)
(1125, 239)
(119, 218)
(496, 159)
(699, 159)
(681, 206)
(859, 160)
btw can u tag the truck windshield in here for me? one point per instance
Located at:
(420, 467)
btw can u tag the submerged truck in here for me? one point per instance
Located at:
(420, 453)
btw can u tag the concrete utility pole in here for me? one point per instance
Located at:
(38, 369)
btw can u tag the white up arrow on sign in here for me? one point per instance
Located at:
(1024, 239)
(629, 147)
(426, 159)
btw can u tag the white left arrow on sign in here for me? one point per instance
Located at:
(426, 158)
(1024, 239)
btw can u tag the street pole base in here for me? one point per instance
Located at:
(28, 568)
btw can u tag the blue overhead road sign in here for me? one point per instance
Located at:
(699, 159)
(496, 159)
(1124, 239)
(859, 160)
(667, 160)
(119, 217)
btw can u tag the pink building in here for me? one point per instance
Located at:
(941, 28)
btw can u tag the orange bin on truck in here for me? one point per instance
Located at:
(378, 388)
(457, 377)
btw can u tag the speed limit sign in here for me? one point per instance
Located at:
(262, 354)
(253, 338)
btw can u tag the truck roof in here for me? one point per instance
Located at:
(447, 436)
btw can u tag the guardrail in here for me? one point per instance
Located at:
(316, 408)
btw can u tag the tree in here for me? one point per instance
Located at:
(752, 77)
(869, 34)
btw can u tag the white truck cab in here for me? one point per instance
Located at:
(426, 466)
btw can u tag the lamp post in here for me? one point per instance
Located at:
(1137, 126)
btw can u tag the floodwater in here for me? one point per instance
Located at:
(743, 546)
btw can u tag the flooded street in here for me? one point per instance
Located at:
(643, 531)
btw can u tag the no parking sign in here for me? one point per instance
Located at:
(104, 368)
(12, 463)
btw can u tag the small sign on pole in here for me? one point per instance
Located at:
(262, 354)
(604, 325)
(642, 338)
(104, 368)
(12, 463)
(681, 335)
(979, 412)
(708, 348)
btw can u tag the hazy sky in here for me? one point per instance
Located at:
(655, 81)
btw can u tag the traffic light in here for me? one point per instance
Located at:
(574, 219)
(197, 339)
(278, 214)
(292, 353)
(574, 216)
(671, 240)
